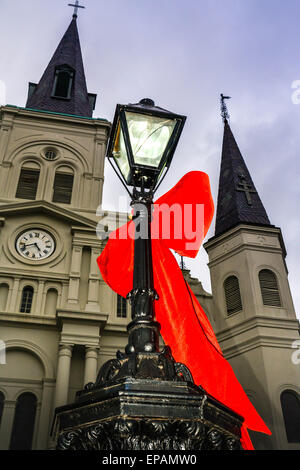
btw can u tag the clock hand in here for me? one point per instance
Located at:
(37, 246)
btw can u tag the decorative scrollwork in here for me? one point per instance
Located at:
(215, 439)
(126, 427)
(183, 372)
(233, 444)
(155, 429)
(147, 434)
(142, 197)
(89, 386)
(94, 435)
(68, 440)
(131, 296)
(108, 371)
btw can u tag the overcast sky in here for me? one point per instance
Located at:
(183, 54)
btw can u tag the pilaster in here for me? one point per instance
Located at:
(94, 282)
(73, 294)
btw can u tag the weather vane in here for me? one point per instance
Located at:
(224, 110)
(76, 6)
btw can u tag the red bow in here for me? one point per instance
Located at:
(184, 325)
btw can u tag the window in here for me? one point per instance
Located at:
(63, 82)
(63, 185)
(50, 153)
(290, 403)
(28, 183)
(2, 400)
(232, 295)
(23, 426)
(121, 307)
(26, 302)
(269, 288)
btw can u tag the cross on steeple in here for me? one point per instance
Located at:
(182, 264)
(224, 110)
(246, 188)
(234, 207)
(64, 77)
(76, 6)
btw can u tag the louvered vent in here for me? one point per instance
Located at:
(63, 185)
(269, 288)
(232, 295)
(28, 183)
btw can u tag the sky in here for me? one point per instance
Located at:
(183, 54)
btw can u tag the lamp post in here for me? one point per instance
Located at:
(143, 399)
(142, 143)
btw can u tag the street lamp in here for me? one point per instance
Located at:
(143, 399)
(142, 143)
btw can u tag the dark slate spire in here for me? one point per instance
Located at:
(238, 200)
(62, 88)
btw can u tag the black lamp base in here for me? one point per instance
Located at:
(139, 413)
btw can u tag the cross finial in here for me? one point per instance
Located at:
(182, 264)
(224, 110)
(76, 6)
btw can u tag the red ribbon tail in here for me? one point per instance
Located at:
(245, 439)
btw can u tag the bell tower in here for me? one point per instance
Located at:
(58, 320)
(254, 317)
(53, 149)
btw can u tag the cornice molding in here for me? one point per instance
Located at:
(219, 239)
(38, 205)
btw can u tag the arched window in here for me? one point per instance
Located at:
(24, 419)
(28, 181)
(51, 302)
(290, 403)
(121, 307)
(269, 288)
(232, 295)
(4, 289)
(2, 400)
(63, 82)
(63, 185)
(26, 301)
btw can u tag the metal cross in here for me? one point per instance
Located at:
(224, 110)
(182, 264)
(76, 6)
(246, 188)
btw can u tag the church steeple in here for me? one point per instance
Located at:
(62, 88)
(238, 200)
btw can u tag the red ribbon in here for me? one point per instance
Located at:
(184, 325)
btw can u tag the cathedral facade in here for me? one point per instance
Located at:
(59, 321)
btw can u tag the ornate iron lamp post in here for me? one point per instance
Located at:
(142, 143)
(143, 399)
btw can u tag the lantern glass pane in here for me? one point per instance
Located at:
(120, 154)
(149, 137)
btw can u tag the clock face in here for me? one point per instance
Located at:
(35, 244)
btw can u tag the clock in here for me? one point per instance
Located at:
(35, 244)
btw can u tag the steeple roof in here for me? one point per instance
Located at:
(74, 97)
(238, 200)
